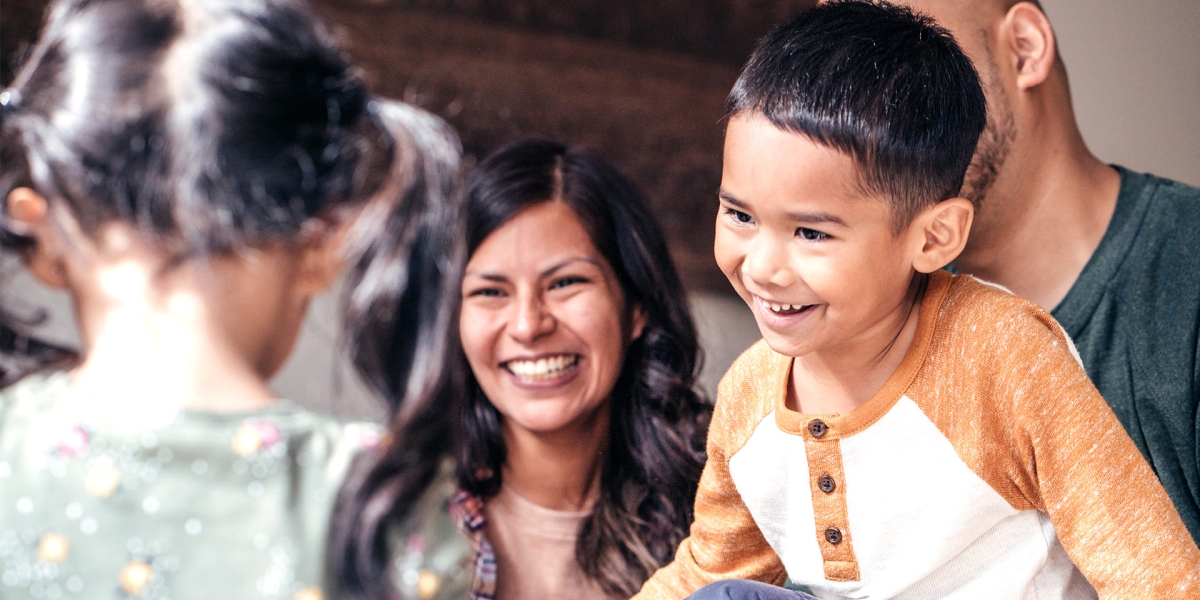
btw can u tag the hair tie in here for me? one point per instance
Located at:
(8, 102)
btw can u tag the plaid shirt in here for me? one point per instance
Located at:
(467, 511)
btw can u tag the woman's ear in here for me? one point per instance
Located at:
(637, 322)
(943, 228)
(28, 215)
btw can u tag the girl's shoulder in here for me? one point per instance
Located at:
(108, 500)
(438, 549)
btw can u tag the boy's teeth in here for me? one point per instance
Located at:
(543, 368)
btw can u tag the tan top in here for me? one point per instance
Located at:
(535, 550)
(987, 466)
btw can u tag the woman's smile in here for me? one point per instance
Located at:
(546, 371)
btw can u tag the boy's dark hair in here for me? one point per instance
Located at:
(884, 85)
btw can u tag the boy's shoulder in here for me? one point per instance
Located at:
(754, 382)
(757, 367)
(974, 309)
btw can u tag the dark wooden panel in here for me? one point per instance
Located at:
(642, 81)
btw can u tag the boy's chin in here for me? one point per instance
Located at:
(784, 344)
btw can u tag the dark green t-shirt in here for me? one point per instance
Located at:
(1134, 314)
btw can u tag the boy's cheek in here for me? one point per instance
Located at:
(730, 254)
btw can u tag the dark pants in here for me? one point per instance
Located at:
(739, 589)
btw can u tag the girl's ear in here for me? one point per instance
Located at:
(323, 255)
(28, 215)
(943, 228)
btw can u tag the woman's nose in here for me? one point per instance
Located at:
(531, 320)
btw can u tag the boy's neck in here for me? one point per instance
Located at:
(837, 381)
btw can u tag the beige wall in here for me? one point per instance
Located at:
(1135, 73)
(1134, 68)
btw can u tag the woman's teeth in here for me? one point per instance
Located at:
(543, 368)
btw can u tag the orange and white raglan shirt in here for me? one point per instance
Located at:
(988, 466)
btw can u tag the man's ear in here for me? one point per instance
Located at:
(943, 229)
(28, 215)
(1030, 40)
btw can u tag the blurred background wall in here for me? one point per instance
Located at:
(643, 81)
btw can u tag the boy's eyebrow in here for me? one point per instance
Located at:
(804, 217)
(816, 217)
(726, 196)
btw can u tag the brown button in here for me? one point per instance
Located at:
(833, 535)
(827, 484)
(817, 427)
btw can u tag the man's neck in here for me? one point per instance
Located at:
(1043, 218)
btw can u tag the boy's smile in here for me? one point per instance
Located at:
(813, 254)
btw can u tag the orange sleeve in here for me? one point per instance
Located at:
(1112, 516)
(725, 543)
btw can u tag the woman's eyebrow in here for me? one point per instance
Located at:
(493, 277)
(566, 262)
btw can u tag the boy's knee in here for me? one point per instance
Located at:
(740, 589)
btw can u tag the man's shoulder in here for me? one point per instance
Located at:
(1169, 204)
(1160, 186)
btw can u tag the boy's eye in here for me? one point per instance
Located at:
(739, 216)
(811, 234)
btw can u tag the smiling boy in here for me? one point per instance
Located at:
(900, 432)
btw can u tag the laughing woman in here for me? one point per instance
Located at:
(571, 458)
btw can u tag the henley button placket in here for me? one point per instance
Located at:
(827, 484)
(833, 535)
(817, 428)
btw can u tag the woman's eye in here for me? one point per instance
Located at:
(563, 282)
(811, 234)
(739, 216)
(485, 293)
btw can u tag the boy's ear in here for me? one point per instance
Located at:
(28, 215)
(943, 228)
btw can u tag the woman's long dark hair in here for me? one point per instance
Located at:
(659, 422)
(216, 125)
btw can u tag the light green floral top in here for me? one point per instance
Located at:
(202, 505)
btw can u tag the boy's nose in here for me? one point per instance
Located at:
(530, 320)
(767, 263)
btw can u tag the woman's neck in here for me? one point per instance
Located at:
(559, 470)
